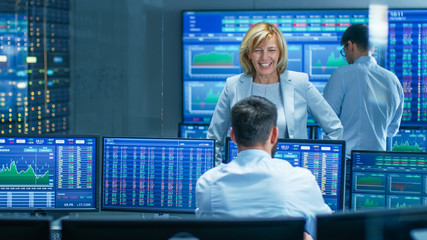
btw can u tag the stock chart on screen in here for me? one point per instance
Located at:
(211, 41)
(410, 140)
(407, 58)
(188, 130)
(388, 180)
(48, 173)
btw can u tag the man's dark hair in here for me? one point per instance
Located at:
(252, 119)
(358, 34)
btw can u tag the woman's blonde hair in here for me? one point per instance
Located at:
(254, 36)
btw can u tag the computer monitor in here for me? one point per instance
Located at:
(188, 130)
(48, 172)
(405, 57)
(390, 224)
(320, 133)
(211, 42)
(153, 174)
(19, 228)
(388, 180)
(409, 140)
(103, 229)
(324, 158)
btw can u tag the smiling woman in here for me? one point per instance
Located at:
(263, 58)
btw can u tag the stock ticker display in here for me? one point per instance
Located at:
(188, 130)
(324, 158)
(211, 41)
(388, 180)
(407, 58)
(154, 174)
(39, 173)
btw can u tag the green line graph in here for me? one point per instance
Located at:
(11, 176)
(406, 147)
(213, 59)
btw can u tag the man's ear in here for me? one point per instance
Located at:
(274, 135)
(351, 45)
(232, 136)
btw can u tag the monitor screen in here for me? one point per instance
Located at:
(406, 57)
(388, 180)
(48, 173)
(319, 133)
(153, 174)
(410, 140)
(224, 229)
(188, 130)
(211, 42)
(324, 158)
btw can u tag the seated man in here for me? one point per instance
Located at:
(255, 184)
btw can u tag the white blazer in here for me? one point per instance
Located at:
(300, 97)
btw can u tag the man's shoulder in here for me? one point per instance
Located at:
(281, 165)
(211, 174)
(346, 68)
(387, 73)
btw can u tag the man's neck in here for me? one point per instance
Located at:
(359, 54)
(258, 147)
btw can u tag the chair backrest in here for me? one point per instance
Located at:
(24, 228)
(392, 224)
(290, 228)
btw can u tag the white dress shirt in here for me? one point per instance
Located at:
(368, 99)
(256, 185)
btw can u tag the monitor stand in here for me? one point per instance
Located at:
(161, 216)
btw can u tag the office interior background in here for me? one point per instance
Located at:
(126, 61)
(121, 73)
(114, 68)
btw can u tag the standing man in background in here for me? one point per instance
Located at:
(367, 98)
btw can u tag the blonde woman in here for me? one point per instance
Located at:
(263, 57)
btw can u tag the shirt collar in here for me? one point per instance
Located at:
(366, 59)
(251, 155)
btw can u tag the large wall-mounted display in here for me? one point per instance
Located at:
(34, 67)
(211, 41)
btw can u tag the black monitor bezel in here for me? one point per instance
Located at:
(312, 141)
(351, 173)
(97, 165)
(145, 209)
